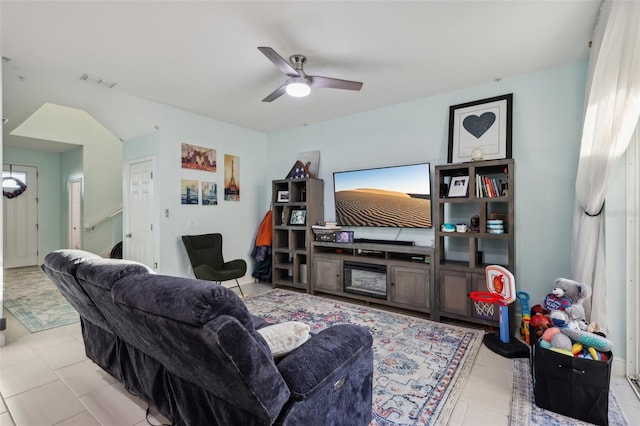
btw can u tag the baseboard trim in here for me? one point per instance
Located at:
(618, 367)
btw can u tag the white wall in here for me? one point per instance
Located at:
(237, 221)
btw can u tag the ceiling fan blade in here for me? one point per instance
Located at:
(276, 93)
(279, 61)
(334, 83)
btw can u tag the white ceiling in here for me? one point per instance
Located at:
(202, 56)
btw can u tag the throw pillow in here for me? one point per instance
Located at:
(284, 337)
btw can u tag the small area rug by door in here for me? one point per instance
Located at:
(525, 412)
(35, 301)
(420, 366)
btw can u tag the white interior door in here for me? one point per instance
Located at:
(20, 217)
(75, 213)
(139, 242)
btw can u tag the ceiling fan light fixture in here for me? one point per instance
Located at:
(298, 87)
(299, 83)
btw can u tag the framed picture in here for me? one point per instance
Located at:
(298, 217)
(231, 178)
(344, 237)
(198, 157)
(458, 186)
(283, 197)
(480, 130)
(209, 193)
(189, 191)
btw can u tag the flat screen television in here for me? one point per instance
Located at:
(395, 196)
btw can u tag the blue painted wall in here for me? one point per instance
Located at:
(547, 122)
(238, 221)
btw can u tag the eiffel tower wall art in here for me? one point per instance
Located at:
(231, 178)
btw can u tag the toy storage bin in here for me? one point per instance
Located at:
(574, 387)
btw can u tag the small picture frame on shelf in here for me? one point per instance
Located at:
(344, 237)
(298, 217)
(458, 186)
(283, 197)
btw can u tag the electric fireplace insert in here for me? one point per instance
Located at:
(365, 279)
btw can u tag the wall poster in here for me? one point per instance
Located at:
(198, 158)
(209, 194)
(189, 191)
(231, 178)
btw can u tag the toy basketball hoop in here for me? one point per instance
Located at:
(484, 301)
(501, 286)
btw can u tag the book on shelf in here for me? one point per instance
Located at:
(489, 187)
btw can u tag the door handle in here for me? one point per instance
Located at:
(129, 235)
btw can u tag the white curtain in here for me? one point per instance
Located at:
(612, 110)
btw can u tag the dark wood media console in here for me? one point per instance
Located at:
(396, 275)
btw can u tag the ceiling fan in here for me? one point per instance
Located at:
(299, 84)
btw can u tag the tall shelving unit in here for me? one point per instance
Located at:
(291, 245)
(461, 257)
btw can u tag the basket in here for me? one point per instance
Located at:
(484, 301)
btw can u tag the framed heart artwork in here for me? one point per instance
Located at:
(480, 130)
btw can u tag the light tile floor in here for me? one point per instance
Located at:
(45, 379)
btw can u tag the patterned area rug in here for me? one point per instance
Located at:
(525, 412)
(420, 366)
(35, 301)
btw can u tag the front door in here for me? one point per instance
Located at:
(20, 216)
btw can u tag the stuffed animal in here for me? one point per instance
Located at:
(554, 339)
(576, 293)
(556, 300)
(538, 324)
(561, 319)
(572, 320)
(538, 309)
(596, 341)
